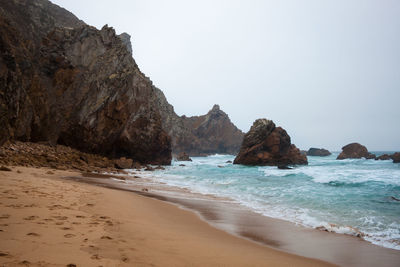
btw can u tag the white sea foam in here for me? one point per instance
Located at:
(337, 196)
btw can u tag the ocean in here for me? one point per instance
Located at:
(353, 196)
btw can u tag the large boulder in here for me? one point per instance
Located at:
(183, 157)
(123, 163)
(384, 157)
(266, 144)
(355, 151)
(396, 157)
(319, 152)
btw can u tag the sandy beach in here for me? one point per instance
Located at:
(47, 221)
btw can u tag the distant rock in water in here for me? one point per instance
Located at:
(319, 152)
(65, 82)
(384, 157)
(183, 157)
(355, 151)
(266, 144)
(396, 157)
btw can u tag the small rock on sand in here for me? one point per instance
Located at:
(5, 169)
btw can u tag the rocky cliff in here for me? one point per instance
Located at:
(266, 144)
(62, 81)
(200, 135)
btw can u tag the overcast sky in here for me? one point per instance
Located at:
(326, 71)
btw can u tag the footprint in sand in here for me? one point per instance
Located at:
(80, 216)
(66, 228)
(5, 216)
(60, 217)
(106, 237)
(31, 206)
(30, 218)
(32, 234)
(4, 254)
(95, 257)
(69, 235)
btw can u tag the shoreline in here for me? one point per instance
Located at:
(50, 221)
(340, 249)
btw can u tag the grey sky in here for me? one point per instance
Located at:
(326, 71)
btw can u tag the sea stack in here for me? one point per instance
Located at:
(396, 157)
(183, 157)
(355, 151)
(266, 144)
(319, 152)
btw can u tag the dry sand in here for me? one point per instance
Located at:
(47, 221)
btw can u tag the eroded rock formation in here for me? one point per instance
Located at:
(355, 151)
(266, 144)
(65, 82)
(396, 157)
(384, 157)
(200, 135)
(319, 152)
(183, 157)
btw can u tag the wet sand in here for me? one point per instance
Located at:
(49, 221)
(343, 250)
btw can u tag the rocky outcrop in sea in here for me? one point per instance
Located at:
(396, 157)
(319, 152)
(183, 157)
(355, 151)
(266, 144)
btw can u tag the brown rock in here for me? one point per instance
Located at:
(384, 157)
(355, 151)
(123, 163)
(149, 168)
(200, 135)
(183, 157)
(159, 168)
(319, 152)
(396, 157)
(266, 144)
(5, 169)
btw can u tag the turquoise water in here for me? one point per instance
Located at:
(352, 196)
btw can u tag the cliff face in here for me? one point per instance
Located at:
(65, 82)
(200, 135)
